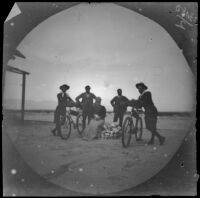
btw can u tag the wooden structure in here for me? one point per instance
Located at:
(24, 73)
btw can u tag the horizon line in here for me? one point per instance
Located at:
(109, 111)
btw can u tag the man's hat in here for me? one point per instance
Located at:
(64, 87)
(87, 87)
(141, 84)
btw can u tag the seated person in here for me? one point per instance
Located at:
(93, 130)
(119, 107)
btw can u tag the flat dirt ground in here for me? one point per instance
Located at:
(98, 166)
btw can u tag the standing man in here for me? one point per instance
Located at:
(87, 104)
(151, 113)
(119, 105)
(63, 100)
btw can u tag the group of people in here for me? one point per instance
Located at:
(93, 110)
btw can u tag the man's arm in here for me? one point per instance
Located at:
(78, 98)
(59, 96)
(112, 102)
(132, 103)
(69, 98)
(70, 101)
(126, 101)
(93, 96)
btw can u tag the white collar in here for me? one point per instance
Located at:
(63, 93)
(143, 92)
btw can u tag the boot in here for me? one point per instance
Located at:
(151, 140)
(59, 134)
(160, 137)
(53, 132)
(162, 140)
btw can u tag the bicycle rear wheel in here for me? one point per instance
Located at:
(126, 131)
(138, 129)
(79, 124)
(65, 128)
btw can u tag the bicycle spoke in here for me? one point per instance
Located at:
(80, 124)
(139, 129)
(66, 129)
(126, 132)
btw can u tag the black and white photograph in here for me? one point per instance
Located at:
(99, 99)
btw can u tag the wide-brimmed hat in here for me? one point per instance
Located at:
(141, 84)
(64, 87)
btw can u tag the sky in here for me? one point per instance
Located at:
(107, 47)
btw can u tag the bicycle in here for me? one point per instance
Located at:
(66, 123)
(129, 128)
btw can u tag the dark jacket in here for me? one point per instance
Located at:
(100, 111)
(118, 102)
(145, 101)
(63, 101)
(87, 100)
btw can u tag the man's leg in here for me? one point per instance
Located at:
(55, 121)
(84, 119)
(148, 122)
(54, 131)
(161, 138)
(115, 118)
(58, 129)
(121, 116)
(151, 123)
(55, 128)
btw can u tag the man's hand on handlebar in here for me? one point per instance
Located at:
(130, 103)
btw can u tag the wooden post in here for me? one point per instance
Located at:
(3, 82)
(23, 96)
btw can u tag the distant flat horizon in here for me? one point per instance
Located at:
(51, 110)
(50, 105)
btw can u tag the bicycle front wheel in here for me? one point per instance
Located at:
(126, 131)
(79, 124)
(139, 129)
(65, 128)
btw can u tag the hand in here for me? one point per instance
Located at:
(78, 104)
(132, 102)
(71, 104)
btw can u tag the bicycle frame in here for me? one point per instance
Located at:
(70, 117)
